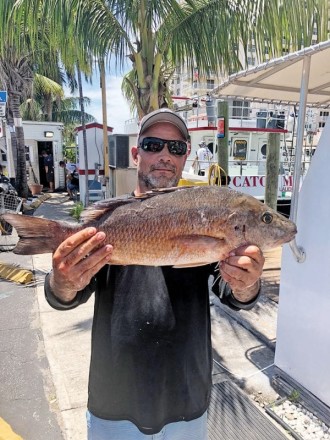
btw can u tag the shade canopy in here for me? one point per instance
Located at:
(279, 81)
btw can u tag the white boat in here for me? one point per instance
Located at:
(247, 143)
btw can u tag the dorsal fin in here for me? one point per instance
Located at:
(97, 210)
(159, 191)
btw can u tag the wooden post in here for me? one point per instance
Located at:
(272, 169)
(222, 142)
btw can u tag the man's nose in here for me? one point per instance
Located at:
(165, 153)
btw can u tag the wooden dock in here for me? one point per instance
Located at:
(271, 273)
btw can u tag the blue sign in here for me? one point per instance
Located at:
(3, 96)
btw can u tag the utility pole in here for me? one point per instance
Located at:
(222, 137)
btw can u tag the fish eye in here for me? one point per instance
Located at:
(267, 217)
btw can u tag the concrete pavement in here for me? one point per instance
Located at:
(243, 341)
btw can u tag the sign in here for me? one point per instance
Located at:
(221, 128)
(3, 96)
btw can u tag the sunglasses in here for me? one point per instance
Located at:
(155, 145)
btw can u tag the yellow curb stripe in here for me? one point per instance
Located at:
(36, 203)
(16, 274)
(6, 433)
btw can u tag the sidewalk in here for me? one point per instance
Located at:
(243, 341)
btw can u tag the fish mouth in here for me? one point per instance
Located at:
(287, 239)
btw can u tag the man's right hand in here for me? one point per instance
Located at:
(76, 261)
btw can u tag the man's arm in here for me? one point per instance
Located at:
(75, 262)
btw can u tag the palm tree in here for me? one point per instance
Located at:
(23, 52)
(39, 105)
(18, 64)
(62, 109)
(16, 77)
(156, 36)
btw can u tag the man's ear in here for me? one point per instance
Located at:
(135, 153)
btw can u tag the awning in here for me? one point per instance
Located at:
(278, 81)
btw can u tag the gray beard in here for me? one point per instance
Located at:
(152, 182)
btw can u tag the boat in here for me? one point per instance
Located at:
(247, 150)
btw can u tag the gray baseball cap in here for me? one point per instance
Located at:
(163, 115)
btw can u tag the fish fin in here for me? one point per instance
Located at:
(36, 235)
(96, 211)
(159, 191)
(209, 248)
(107, 206)
(200, 241)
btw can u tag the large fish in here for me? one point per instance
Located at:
(179, 227)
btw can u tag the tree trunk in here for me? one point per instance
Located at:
(82, 110)
(272, 169)
(17, 140)
(48, 107)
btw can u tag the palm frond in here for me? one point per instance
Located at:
(71, 117)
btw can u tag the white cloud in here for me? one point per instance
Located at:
(117, 107)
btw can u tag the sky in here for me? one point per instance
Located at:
(117, 107)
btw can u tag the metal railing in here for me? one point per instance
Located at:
(286, 167)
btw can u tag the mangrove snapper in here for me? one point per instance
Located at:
(187, 226)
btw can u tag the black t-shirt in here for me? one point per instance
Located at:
(151, 359)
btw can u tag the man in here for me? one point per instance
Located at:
(49, 168)
(151, 362)
(204, 157)
(71, 178)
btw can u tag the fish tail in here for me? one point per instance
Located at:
(38, 235)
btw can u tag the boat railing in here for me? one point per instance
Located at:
(201, 110)
(244, 167)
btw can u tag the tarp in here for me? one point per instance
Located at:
(279, 80)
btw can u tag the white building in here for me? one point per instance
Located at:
(39, 137)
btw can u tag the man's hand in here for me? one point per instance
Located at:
(242, 271)
(76, 261)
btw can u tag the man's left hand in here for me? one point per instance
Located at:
(242, 271)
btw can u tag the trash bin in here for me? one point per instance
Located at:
(261, 119)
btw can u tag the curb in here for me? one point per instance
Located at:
(6, 433)
(28, 209)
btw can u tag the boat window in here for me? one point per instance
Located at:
(264, 149)
(240, 149)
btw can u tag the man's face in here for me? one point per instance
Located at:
(161, 169)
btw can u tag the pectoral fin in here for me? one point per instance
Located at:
(209, 249)
(201, 242)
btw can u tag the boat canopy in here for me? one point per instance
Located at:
(278, 81)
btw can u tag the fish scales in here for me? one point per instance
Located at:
(179, 227)
(174, 218)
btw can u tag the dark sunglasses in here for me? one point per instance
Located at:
(155, 145)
